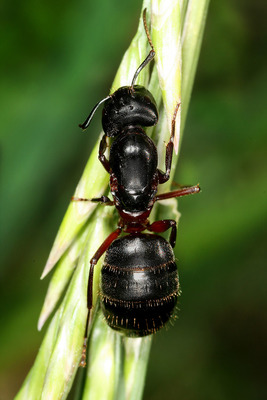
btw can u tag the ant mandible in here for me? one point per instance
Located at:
(139, 278)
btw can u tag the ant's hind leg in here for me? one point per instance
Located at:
(162, 226)
(104, 246)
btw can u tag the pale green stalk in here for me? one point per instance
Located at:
(166, 17)
(116, 365)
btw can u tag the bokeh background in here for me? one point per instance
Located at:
(57, 60)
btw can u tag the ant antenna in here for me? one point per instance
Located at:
(90, 116)
(146, 29)
(150, 56)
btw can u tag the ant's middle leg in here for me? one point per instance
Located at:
(183, 191)
(163, 225)
(102, 200)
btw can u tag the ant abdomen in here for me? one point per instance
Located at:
(139, 284)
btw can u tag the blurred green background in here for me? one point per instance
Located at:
(57, 60)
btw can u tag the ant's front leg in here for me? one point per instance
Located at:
(162, 226)
(164, 177)
(101, 156)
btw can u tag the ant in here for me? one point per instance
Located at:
(139, 278)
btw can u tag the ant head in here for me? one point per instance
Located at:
(129, 106)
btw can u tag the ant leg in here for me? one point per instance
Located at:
(169, 150)
(163, 226)
(183, 191)
(101, 156)
(104, 246)
(102, 200)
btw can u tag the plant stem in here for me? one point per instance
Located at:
(116, 366)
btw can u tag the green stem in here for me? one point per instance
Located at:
(116, 365)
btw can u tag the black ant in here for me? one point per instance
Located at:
(139, 278)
